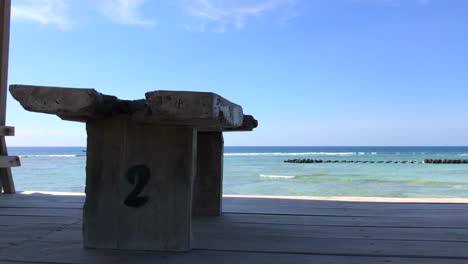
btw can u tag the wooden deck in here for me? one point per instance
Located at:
(46, 228)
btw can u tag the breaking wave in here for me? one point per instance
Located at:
(276, 176)
(52, 156)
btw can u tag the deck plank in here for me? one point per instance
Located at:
(205, 229)
(442, 221)
(301, 206)
(47, 229)
(74, 253)
(438, 221)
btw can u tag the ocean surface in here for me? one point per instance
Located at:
(262, 171)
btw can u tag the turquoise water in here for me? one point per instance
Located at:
(261, 170)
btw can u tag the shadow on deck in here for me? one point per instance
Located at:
(46, 228)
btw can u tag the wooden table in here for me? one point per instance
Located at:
(144, 158)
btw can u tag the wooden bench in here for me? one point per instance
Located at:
(144, 158)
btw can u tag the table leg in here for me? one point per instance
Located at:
(208, 186)
(139, 185)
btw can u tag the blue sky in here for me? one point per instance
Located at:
(313, 72)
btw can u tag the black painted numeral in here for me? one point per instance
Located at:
(139, 176)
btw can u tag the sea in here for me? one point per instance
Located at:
(262, 171)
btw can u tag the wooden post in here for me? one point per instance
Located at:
(208, 186)
(139, 185)
(6, 178)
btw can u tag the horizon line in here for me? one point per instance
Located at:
(276, 146)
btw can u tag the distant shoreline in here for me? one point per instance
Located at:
(309, 198)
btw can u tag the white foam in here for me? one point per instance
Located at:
(51, 156)
(53, 193)
(276, 176)
(293, 154)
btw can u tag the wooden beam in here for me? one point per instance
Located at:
(248, 124)
(5, 7)
(7, 131)
(199, 109)
(205, 111)
(74, 104)
(9, 161)
(4, 43)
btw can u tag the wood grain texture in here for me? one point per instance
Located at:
(248, 124)
(74, 104)
(9, 161)
(162, 223)
(5, 7)
(208, 186)
(200, 109)
(6, 162)
(280, 204)
(6, 178)
(206, 111)
(53, 235)
(73, 253)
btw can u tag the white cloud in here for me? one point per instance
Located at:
(57, 12)
(222, 15)
(127, 12)
(44, 12)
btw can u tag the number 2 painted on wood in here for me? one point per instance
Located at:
(139, 176)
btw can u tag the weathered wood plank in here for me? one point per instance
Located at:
(40, 204)
(12, 220)
(74, 253)
(248, 124)
(65, 244)
(239, 203)
(290, 239)
(203, 228)
(14, 211)
(389, 221)
(6, 179)
(377, 212)
(249, 238)
(7, 131)
(358, 199)
(207, 111)
(199, 109)
(248, 205)
(208, 185)
(9, 161)
(332, 246)
(75, 104)
(17, 234)
(41, 201)
(319, 221)
(139, 185)
(5, 7)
